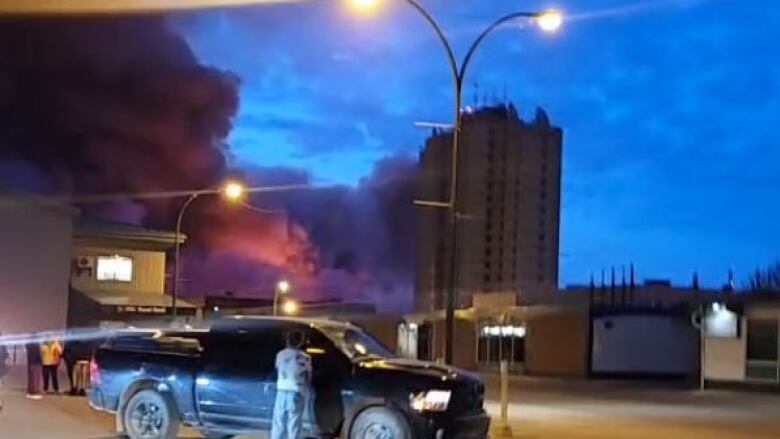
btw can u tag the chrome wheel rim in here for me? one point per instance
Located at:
(146, 419)
(378, 431)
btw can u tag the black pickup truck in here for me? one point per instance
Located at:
(222, 382)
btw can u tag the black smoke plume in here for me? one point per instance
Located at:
(121, 104)
(112, 104)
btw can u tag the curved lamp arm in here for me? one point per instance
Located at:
(442, 38)
(485, 33)
(458, 82)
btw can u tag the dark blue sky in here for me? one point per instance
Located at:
(670, 111)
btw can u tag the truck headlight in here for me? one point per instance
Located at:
(430, 401)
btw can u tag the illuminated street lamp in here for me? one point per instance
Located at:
(233, 190)
(282, 288)
(364, 5)
(290, 307)
(230, 190)
(548, 21)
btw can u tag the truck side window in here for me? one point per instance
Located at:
(318, 343)
(325, 356)
(247, 351)
(265, 346)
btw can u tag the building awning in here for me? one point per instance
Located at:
(136, 303)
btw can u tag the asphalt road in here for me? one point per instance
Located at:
(541, 409)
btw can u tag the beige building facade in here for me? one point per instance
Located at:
(118, 276)
(742, 343)
(508, 229)
(537, 340)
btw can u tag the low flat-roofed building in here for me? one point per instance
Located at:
(742, 342)
(118, 276)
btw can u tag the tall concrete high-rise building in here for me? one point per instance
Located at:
(509, 195)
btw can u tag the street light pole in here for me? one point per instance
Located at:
(276, 302)
(549, 21)
(457, 79)
(232, 191)
(177, 250)
(281, 287)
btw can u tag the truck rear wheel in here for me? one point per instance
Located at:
(149, 415)
(379, 423)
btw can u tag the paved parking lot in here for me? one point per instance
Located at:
(541, 409)
(544, 408)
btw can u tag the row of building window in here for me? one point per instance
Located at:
(515, 223)
(498, 279)
(513, 263)
(492, 144)
(501, 210)
(541, 237)
(489, 264)
(489, 275)
(487, 278)
(515, 197)
(489, 251)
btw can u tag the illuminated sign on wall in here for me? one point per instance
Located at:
(504, 331)
(141, 310)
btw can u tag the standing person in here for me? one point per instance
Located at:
(51, 355)
(77, 355)
(70, 355)
(3, 359)
(34, 370)
(3, 367)
(293, 368)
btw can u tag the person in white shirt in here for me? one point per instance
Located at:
(293, 368)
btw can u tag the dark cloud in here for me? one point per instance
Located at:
(112, 104)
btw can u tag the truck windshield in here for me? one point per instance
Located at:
(355, 343)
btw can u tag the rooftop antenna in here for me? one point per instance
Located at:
(612, 287)
(433, 125)
(591, 290)
(603, 280)
(730, 285)
(494, 98)
(623, 291)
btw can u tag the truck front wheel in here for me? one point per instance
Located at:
(379, 423)
(149, 415)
